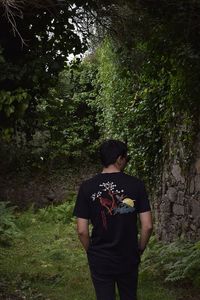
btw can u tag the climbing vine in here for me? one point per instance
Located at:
(151, 108)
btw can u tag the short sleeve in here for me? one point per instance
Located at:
(81, 208)
(143, 204)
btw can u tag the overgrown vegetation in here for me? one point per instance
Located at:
(144, 102)
(46, 261)
(67, 117)
(140, 86)
(139, 83)
(177, 262)
(8, 228)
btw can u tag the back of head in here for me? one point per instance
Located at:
(110, 150)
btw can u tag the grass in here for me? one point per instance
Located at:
(47, 262)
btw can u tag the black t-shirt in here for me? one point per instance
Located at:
(111, 201)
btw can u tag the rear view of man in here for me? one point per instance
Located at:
(111, 200)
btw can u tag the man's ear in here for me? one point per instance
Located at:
(119, 160)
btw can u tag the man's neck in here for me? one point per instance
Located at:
(111, 169)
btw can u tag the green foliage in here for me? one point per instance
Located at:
(8, 229)
(67, 116)
(47, 261)
(28, 70)
(8, 101)
(65, 129)
(12, 224)
(177, 262)
(114, 99)
(141, 86)
(27, 219)
(57, 214)
(127, 110)
(146, 98)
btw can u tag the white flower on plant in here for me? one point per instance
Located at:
(96, 195)
(99, 194)
(108, 186)
(93, 196)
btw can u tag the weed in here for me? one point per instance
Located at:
(174, 262)
(47, 261)
(8, 227)
(58, 214)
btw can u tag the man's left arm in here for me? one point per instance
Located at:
(146, 229)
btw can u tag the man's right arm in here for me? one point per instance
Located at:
(146, 229)
(83, 232)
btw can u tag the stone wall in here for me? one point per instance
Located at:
(43, 188)
(177, 203)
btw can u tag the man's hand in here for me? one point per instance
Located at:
(83, 232)
(146, 230)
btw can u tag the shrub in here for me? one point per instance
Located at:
(60, 213)
(177, 262)
(8, 227)
(26, 219)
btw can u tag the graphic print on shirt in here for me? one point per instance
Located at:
(113, 201)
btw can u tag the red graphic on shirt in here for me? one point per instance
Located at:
(108, 203)
(103, 215)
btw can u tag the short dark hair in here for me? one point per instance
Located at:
(110, 150)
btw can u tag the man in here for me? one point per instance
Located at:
(111, 200)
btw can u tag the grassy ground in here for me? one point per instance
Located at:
(47, 262)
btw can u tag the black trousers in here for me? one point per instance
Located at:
(105, 284)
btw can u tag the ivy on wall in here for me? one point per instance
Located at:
(149, 107)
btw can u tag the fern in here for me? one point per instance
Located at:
(60, 213)
(178, 261)
(8, 227)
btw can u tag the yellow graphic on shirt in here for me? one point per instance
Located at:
(129, 202)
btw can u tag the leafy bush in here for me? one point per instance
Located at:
(12, 225)
(60, 213)
(66, 115)
(178, 261)
(8, 227)
(26, 219)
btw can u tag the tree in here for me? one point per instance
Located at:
(29, 67)
(68, 116)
